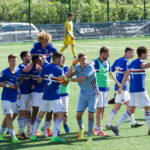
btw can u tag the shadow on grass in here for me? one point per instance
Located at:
(70, 138)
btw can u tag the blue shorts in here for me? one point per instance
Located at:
(84, 102)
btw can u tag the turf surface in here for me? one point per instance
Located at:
(130, 139)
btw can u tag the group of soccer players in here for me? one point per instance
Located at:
(40, 85)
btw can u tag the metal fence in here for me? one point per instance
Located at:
(53, 13)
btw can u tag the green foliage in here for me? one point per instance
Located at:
(55, 11)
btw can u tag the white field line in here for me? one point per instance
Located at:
(84, 43)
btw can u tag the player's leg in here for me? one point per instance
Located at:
(147, 118)
(119, 101)
(21, 104)
(124, 117)
(92, 102)
(113, 114)
(3, 128)
(82, 105)
(142, 99)
(8, 109)
(102, 103)
(50, 123)
(57, 108)
(102, 114)
(65, 100)
(45, 129)
(28, 113)
(35, 103)
(44, 107)
(33, 117)
(134, 124)
(72, 43)
(63, 48)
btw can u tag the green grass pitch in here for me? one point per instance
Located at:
(129, 139)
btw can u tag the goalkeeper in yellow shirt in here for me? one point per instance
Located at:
(69, 37)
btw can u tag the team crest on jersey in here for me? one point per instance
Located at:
(128, 63)
(83, 72)
(46, 51)
(1, 75)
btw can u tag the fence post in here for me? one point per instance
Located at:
(107, 10)
(144, 10)
(69, 5)
(29, 20)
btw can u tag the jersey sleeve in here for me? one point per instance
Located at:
(34, 49)
(113, 67)
(109, 65)
(49, 58)
(53, 48)
(60, 72)
(76, 68)
(21, 67)
(126, 66)
(67, 24)
(2, 76)
(89, 71)
(141, 62)
(66, 69)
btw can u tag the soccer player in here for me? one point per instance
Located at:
(52, 96)
(38, 89)
(86, 78)
(69, 37)
(24, 104)
(102, 67)
(138, 93)
(44, 48)
(65, 95)
(121, 66)
(8, 79)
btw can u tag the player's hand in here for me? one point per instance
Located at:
(16, 86)
(32, 86)
(72, 38)
(119, 90)
(75, 62)
(12, 86)
(19, 96)
(119, 85)
(92, 63)
(38, 68)
(63, 79)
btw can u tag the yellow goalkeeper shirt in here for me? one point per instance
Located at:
(69, 25)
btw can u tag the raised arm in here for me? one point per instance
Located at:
(28, 68)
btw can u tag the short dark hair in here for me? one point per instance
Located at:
(12, 56)
(104, 50)
(81, 54)
(35, 58)
(129, 49)
(142, 49)
(23, 54)
(56, 54)
(70, 14)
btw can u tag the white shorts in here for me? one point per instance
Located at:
(24, 103)
(103, 99)
(122, 98)
(54, 105)
(140, 99)
(8, 107)
(36, 99)
(65, 100)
